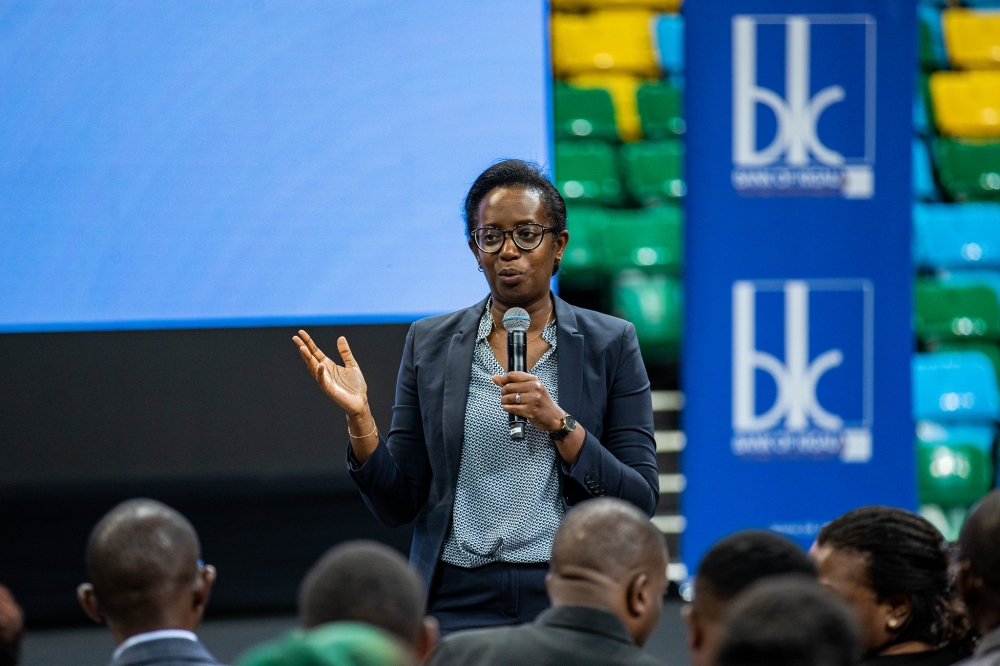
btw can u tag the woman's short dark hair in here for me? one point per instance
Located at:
(515, 173)
(906, 556)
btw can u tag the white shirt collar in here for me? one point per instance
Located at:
(152, 636)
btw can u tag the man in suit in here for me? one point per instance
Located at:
(365, 581)
(978, 579)
(148, 584)
(606, 581)
(728, 568)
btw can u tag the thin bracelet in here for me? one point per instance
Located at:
(362, 436)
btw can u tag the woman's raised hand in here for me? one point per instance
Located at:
(344, 384)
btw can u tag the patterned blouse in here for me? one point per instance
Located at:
(508, 501)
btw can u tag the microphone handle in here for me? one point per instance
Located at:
(517, 361)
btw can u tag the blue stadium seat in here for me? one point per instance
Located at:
(923, 174)
(955, 387)
(956, 235)
(670, 42)
(971, 277)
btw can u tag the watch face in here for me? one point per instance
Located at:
(569, 423)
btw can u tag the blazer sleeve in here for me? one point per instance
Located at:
(623, 462)
(396, 479)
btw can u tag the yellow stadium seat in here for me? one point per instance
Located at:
(623, 89)
(619, 40)
(670, 6)
(966, 104)
(972, 38)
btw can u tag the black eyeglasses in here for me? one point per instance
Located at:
(526, 236)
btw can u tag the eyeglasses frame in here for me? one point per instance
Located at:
(475, 238)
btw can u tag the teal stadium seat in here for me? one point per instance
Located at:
(654, 171)
(587, 172)
(969, 169)
(584, 113)
(956, 311)
(956, 235)
(647, 239)
(653, 303)
(585, 258)
(670, 42)
(954, 463)
(923, 173)
(955, 387)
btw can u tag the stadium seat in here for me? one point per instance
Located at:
(972, 38)
(623, 89)
(956, 312)
(955, 387)
(966, 104)
(660, 111)
(969, 170)
(654, 171)
(587, 172)
(932, 51)
(987, 348)
(956, 235)
(605, 40)
(653, 303)
(656, 5)
(923, 174)
(582, 113)
(954, 474)
(648, 238)
(670, 42)
(586, 255)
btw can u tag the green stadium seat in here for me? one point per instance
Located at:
(648, 238)
(587, 172)
(653, 303)
(967, 312)
(585, 258)
(661, 111)
(584, 113)
(654, 171)
(953, 474)
(969, 169)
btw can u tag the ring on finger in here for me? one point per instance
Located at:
(517, 398)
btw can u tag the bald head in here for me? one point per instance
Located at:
(139, 557)
(610, 537)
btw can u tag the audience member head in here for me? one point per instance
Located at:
(365, 581)
(892, 566)
(728, 568)
(978, 579)
(607, 555)
(789, 621)
(145, 572)
(339, 644)
(11, 628)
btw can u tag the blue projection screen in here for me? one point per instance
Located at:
(181, 163)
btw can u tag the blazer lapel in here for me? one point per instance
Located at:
(569, 346)
(458, 373)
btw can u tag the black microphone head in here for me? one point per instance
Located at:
(516, 319)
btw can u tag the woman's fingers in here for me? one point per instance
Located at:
(345, 352)
(309, 359)
(313, 349)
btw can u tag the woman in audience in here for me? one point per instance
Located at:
(892, 565)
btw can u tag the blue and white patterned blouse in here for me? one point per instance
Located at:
(508, 504)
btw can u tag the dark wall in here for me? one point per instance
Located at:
(225, 425)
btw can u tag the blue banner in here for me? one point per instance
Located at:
(798, 283)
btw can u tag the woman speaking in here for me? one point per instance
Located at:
(487, 505)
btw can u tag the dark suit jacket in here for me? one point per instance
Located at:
(166, 652)
(566, 635)
(602, 383)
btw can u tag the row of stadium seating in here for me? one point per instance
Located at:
(635, 40)
(956, 251)
(642, 173)
(613, 107)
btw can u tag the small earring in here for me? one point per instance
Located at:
(893, 623)
(480, 268)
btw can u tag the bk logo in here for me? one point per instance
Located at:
(804, 104)
(801, 382)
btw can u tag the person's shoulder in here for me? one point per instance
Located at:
(481, 646)
(591, 322)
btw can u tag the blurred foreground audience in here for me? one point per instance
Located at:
(728, 568)
(789, 621)
(978, 578)
(11, 628)
(892, 566)
(360, 604)
(148, 584)
(606, 582)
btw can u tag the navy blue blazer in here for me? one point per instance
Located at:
(166, 652)
(602, 383)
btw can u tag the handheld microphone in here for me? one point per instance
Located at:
(516, 322)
